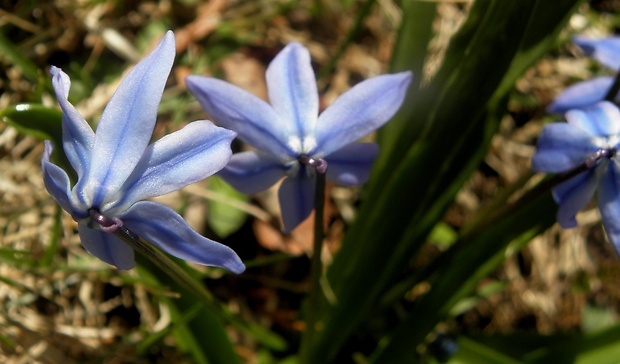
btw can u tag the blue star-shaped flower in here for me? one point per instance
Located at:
(590, 136)
(290, 128)
(116, 167)
(588, 93)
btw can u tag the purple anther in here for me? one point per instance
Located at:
(109, 225)
(601, 153)
(319, 164)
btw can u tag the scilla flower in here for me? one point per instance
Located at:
(116, 168)
(590, 138)
(289, 129)
(588, 93)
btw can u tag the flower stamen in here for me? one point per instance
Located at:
(109, 225)
(319, 164)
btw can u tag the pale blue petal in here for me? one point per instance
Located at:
(254, 120)
(350, 166)
(179, 159)
(163, 227)
(77, 136)
(581, 95)
(57, 183)
(573, 195)
(296, 196)
(562, 147)
(292, 89)
(606, 50)
(107, 247)
(127, 123)
(609, 204)
(252, 172)
(359, 111)
(602, 119)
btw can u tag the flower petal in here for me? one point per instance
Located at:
(254, 120)
(606, 50)
(573, 195)
(581, 95)
(359, 111)
(107, 247)
(127, 123)
(179, 159)
(350, 166)
(602, 119)
(58, 185)
(292, 89)
(562, 147)
(609, 204)
(296, 196)
(77, 136)
(165, 228)
(252, 172)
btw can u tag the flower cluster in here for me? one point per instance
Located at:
(589, 138)
(588, 93)
(117, 168)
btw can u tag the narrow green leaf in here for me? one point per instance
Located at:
(470, 260)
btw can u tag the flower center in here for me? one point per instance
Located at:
(104, 223)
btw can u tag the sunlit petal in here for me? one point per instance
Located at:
(252, 172)
(350, 166)
(184, 157)
(127, 123)
(359, 111)
(163, 227)
(581, 95)
(602, 119)
(292, 89)
(255, 121)
(57, 182)
(107, 247)
(77, 136)
(605, 50)
(562, 147)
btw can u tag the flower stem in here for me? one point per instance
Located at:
(316, 267)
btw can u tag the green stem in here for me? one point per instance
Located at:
(316, 269)
(613, 90)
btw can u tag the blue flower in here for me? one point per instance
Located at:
(588, 93)
(116, 168)
(290, 127)
(590, 136)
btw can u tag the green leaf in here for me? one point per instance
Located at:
(43, 123)
(434, 146)
(225, 217)
(468, 261)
